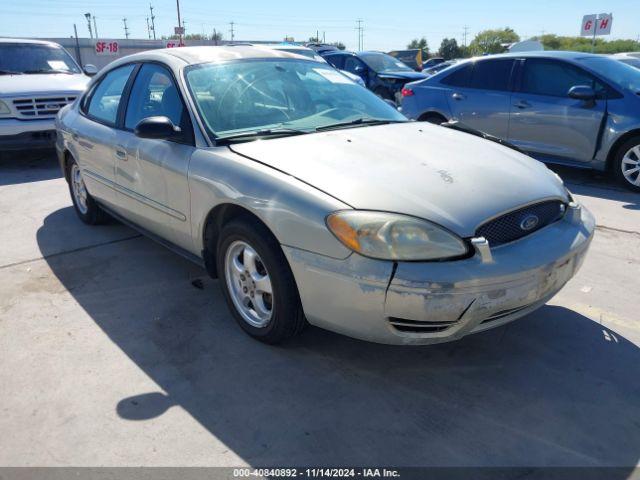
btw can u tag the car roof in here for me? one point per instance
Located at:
(561, 54)
(177, 57)
(28, 40)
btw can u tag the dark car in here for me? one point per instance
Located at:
(382, 74)
(432, 62)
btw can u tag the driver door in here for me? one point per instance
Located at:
(549, 124)
(152, 174)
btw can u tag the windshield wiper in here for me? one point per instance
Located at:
(356, 122)
(461, 127)
(47, 70)
(9, 72)
(255, 134)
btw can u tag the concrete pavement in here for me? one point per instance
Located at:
(109, 356)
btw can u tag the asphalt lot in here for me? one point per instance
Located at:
(109, 356)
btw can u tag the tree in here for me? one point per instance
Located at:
(339, 45)
(449, 49)
(419, 44)
(216, 37)
(583, 44)
(492, 41)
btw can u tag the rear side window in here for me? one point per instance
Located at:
(491, 74)
(460, 77)
(105, 99)
(553, 78)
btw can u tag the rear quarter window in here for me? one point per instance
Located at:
(459, 77)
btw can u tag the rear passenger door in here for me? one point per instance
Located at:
(549, 124)
(152, 174)
(480, 95)
(95, 134)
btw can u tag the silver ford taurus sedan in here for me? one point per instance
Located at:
(315, 201)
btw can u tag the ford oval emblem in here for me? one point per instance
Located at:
(529, 222)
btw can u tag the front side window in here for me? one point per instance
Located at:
(622, 74)
(335, 60)
(288, 94)
(553, 78)
(154, 94)
(491, 74)
(33, 58)
(351, 64)
(105, 99)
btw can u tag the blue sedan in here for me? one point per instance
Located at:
(569, 108)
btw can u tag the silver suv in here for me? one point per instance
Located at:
(37, 79)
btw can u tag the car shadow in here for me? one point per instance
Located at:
(554, 388)
(28, 166)
(597, 184)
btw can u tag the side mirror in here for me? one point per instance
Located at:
(159, 128)
(90, 69)
(359, 70)
(582, 92)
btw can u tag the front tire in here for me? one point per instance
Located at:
(257, 282)
(627, 164)
(85, 206)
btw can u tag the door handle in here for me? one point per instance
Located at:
(121, 154)
(458, 96)
(522, 104)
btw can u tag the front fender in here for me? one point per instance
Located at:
(294, 211)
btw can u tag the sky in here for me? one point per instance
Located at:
(387, 25)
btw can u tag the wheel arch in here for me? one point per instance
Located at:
(431, 113)
(216, 218)
(617, 144)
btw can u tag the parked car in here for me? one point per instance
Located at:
(321, 48)
(432, 62)
(632, 58)
(429, 72)
(382, 74)
(344, 213)
(570, 108)
(36, 79)
(309, 53)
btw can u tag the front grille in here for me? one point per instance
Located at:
(511, 226)
(41, 107)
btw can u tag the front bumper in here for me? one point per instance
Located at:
(27, 134)
(431, 302)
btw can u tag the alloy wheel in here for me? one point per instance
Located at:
(79, 189)
(249, 284)
(630, 166)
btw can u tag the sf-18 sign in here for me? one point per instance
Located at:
(593, 25)
(107, 48)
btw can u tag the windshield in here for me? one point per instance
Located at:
(381, 62)
(35, 58)
(620, 73)
(286, 94)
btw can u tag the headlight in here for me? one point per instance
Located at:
(391, 236)
(4, 108)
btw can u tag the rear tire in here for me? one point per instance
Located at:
(257, 283)
(85, 206)
(626, 164)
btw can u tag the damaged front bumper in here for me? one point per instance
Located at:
(430, 302)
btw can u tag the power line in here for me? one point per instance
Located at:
(88, 17)
(95, 27)
(179, 23)
(231, 31)
(148, 29)
(126, 29)
(464, 36)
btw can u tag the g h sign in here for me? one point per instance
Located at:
(593, 25)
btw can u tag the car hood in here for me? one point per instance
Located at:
(411, 76)
(13, 85)
(451, 178)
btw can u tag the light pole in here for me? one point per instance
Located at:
(88, 17)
